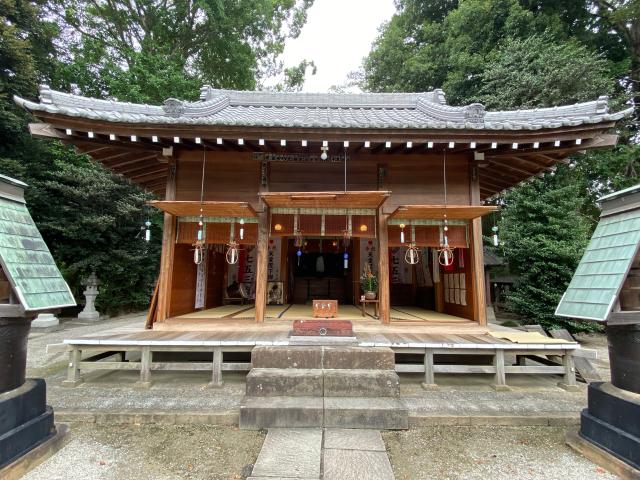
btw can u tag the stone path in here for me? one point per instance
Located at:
(332, 454)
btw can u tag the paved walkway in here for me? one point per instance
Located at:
(332, 454)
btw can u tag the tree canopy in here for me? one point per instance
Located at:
(145, 51)
(511, 54)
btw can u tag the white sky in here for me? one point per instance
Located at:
(337, 36)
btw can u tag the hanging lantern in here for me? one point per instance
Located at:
(412, 255)
(345, 260)
(147, 231)
(298, 242)
(242, 229)
(198, 253)
(232, 254)
(402, 225)
(496, 241)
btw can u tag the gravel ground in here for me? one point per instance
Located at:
(154, 452)
(469, 453)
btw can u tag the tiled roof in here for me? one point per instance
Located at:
(322, 110)
(26, 260)
(604, 265)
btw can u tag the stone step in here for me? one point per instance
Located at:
(364, 358)
(331, 412)
(288, 412)
(293, 382)
(365, 412)
(361, 383)
(286, 357)
(334, 357)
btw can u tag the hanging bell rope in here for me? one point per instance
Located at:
(198, 253)
(445, 253)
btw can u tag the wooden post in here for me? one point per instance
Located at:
(429, 376)
(73, 372)
(477, 255)
(168, 247)
(569, 380)
(384, 294)
(216, 375)
(145, 367)
(262, 264)
(500, 380)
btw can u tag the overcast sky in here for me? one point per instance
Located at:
(337, 36)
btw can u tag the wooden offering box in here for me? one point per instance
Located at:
(330, 328)
(325, 308)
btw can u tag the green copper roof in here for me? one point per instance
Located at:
(27, 262)
(603, 268)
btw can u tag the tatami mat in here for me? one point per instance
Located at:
(421, 314)
(217, 312)
(345, 312)
(272, 311)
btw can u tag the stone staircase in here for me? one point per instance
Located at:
(323, 386)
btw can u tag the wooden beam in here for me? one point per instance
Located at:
(262, 262)
(384, 293)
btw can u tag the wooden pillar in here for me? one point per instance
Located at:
(384, 293)
(261, 264)
(499, 382)
(477, 255)
(168, 247)
(146, 358)
(429, 376)
(216, 374)
(569, 379)
(73, 372)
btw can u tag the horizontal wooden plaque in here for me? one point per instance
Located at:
(322, 328)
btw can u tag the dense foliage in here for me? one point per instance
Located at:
(527, 53)
(143, 51)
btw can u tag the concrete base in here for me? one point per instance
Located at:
(569, 388)
(611, 422)
(45, 320)
(29, 461)
(601, 457)
(25, 420)
(501, 388)
(430, 386)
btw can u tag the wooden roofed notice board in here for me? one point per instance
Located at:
(607, 266)
(26, 261)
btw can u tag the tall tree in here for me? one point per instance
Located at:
(71, 197)
(148, 50)
(510, 54)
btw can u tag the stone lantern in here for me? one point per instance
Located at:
(91, 292)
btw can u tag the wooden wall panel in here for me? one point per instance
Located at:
(183, 284)
(464, 311)
(316, 177)
(229, 176)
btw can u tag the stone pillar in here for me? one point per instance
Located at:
(90, 294)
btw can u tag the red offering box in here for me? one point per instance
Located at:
(321, 328)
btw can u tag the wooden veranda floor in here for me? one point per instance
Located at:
(279, 319)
